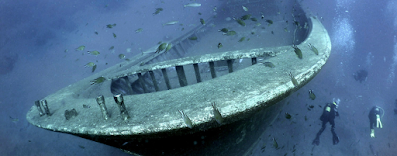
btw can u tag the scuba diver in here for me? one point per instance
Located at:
(374, 118)
(329, 113)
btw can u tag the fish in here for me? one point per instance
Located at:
(110, 25)
(193, 38)
(262, 16)
(214, 8)
(225, 30)
(94, 52)
(275, 144)
(161, 47)
(220, 45)
(138, 30)
(269, 64)
(297, 51)
(217, 114)
(311, 94)
(314, 49)
(186, 119)
(80, 48)
(230, 33)
(96, 33)
(254, 19)
(171, 23)
(169, 46)
(98, 80)
(121, 56)
(157, 11)
(293, 80)
(285, 29)
(202, 21)
(296, 23)
(270, 22)
(111, 48)
(93, 68)
(239, 21)
(114, 35)
(241, 39)
(14, 120)
(245, 8)
(89, 64)
(245, 17)
(287, 115)
(192, 5)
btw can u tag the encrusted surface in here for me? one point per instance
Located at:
(235, 94)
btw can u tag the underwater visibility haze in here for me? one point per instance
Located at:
(47, 45)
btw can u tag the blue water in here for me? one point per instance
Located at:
(38, 57)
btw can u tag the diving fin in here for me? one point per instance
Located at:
(316, 141)
(335, 139)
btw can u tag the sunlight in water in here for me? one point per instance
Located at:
(392, 11)
(343, 43)
(392, 75)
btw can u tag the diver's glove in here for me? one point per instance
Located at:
(372, 133)
(378, 122)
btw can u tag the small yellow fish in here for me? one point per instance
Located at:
(239, 21)
(111, 25)
(270, 22)
(202, 21)
(158, 11)
(275, 144)
(98, 80)
(242, 39)
(293, 80)
(193, 38)
(161, 47)
(94, 52)
(169, 46)
(245, 8)
(171, 23)
(314, 49)
(186, 119)
(220, 45)
(230, 33)
(89, 64)
(311, 94)
(192, 5)
(121, 56)
(139, 30)
(80, 48)
(217, 114)
(297, 51)
(93, 68)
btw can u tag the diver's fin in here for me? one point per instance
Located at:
(316, 141)
(335, 139)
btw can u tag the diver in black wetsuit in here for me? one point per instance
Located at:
(374, 119)
(329, 113)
